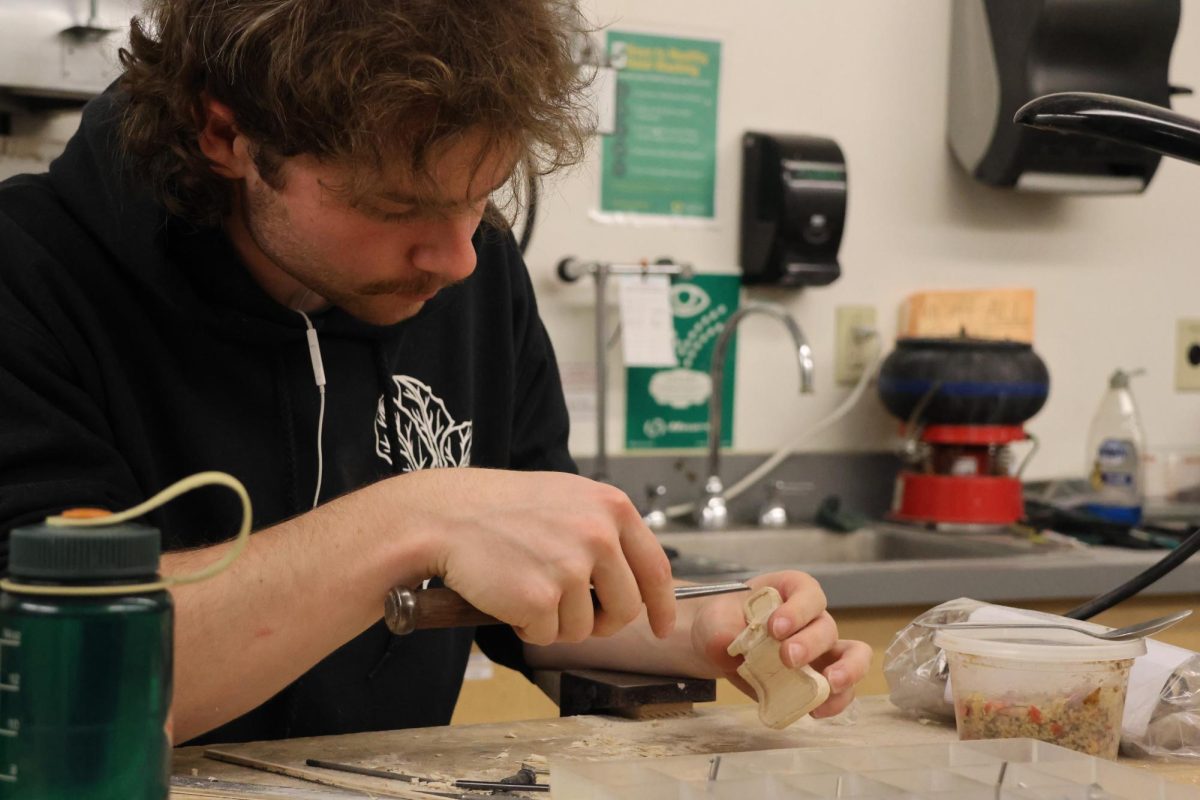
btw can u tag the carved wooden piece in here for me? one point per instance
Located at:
(784, 695)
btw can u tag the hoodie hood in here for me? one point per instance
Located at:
(193, 272)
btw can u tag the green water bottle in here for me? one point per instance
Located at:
(85, 679)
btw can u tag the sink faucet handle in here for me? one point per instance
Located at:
(655, 515)
(773, 512)
(711, 511)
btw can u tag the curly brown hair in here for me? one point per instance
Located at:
(360, 83)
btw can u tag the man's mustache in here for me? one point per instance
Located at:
(430, 285)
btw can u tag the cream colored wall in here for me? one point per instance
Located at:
(1111, 273)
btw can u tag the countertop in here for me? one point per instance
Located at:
(491, 751)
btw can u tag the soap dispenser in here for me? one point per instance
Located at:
(793, 209)
(1114, 455)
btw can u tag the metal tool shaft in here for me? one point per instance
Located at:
(499, 786)
(406, 610)
(357, 770)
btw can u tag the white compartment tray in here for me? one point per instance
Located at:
(1001, 769)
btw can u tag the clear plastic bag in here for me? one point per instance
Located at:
(916, 674)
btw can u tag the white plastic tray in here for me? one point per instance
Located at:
(1001, 769)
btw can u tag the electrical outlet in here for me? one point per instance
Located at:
(851, 353)
(1187, 355)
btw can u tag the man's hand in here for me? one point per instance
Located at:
(523, 547)
(806, 634)
(527, 548)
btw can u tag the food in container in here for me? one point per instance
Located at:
(1057, 686)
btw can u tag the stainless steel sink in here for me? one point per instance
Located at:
(754, 550)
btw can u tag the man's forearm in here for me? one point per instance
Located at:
(632, 649)
(300, 590)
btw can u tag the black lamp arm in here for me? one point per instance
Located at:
(1117, 119)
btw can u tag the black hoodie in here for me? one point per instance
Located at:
(135, 351)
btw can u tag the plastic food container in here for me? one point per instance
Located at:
(1057, 686)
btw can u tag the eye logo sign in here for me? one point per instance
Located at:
(667, 404)
(688, 300)
(686, 386)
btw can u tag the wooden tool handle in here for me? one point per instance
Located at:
(406, 610)
(445, 608)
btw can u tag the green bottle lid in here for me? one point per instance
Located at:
(45, 552)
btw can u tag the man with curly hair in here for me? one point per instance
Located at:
(270, 173)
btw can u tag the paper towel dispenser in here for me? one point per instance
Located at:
(793, 209)
(1006, 52)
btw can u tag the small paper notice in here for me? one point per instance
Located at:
(647, 323)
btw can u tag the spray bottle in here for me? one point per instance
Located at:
(1114, 454)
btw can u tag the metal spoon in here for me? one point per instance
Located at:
(1136, 631)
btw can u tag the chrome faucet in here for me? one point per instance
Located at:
(711, 512)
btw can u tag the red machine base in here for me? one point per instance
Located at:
(978, 500)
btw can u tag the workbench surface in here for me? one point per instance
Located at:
(493, 751)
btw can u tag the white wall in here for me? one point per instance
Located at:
(1112, 274)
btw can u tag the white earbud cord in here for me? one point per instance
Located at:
(314, 353)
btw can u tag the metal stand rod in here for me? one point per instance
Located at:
(571, 269)
(600, 467)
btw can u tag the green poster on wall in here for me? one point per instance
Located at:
(662, 157)
(667, 407)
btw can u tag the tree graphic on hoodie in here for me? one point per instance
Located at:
(426, 435)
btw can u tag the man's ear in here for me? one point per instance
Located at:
(221, 142)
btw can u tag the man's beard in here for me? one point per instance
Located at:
(266, 220)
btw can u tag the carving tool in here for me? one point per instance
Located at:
(357, 770)
(501, 786)
(407, 610)
(524, 780)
